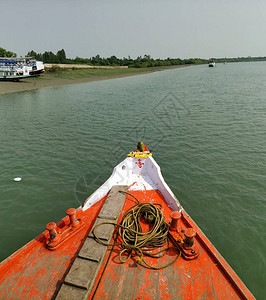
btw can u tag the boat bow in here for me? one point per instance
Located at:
(70, 261)
(138, 172)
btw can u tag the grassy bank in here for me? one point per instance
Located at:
(57, 76)
(89, 73)
(77, 73)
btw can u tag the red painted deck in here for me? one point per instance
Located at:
(35, 272)
(201, 278)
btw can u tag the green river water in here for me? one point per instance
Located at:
(205, 126)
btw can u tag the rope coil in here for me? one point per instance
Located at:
(135, 242)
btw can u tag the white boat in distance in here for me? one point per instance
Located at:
(212, 64)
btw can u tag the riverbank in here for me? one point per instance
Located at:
(66, 76)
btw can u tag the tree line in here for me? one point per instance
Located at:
(238, 59)
(139, 62)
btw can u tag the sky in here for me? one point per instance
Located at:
(161, 29)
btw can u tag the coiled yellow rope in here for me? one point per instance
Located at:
(135, 242)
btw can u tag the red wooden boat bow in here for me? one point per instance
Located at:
(131, 239)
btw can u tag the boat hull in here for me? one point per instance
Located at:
(44, 268)
(14, 77)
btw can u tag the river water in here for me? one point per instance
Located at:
(205, 126)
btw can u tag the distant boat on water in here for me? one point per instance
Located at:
(211, 64)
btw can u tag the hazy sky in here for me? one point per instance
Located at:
(165, 28)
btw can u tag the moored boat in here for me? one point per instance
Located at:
(155, 252)
(10, 70)
(18, 68)
(37, 67)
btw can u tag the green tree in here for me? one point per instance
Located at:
(50, 57)
(37, 56)
(61, 56)
(114, 60)
(31, 54)
(5, 53)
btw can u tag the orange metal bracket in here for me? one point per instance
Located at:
(58, 236)
(184, 238)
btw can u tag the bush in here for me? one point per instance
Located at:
(56, 69)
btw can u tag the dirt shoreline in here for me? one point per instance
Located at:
(33, 83)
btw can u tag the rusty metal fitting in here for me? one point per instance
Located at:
(71, 212)
(190, 233)
(175, 216)
(51, 228)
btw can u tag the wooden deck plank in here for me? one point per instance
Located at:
(109, 210)
(82, 273)
(68, 292)
(103, 232)
(92, 250)
(81, 276)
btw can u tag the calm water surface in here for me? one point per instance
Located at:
(205, 126)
